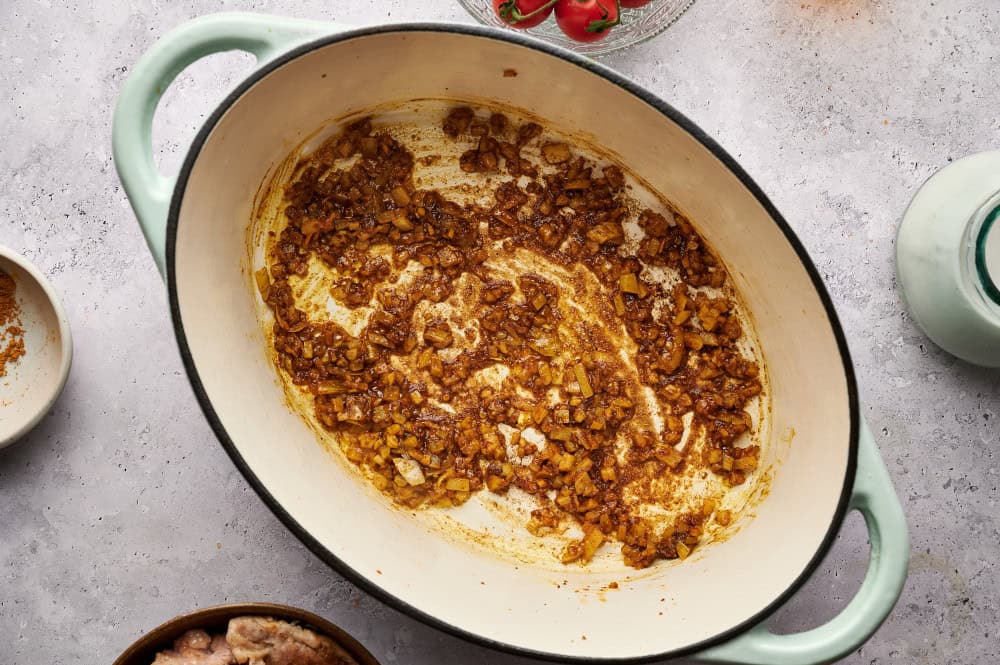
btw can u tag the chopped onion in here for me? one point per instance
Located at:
(369, 146)
(628, 283)
(581, 377)
(263, 281)
(400, 195)
(410, 470)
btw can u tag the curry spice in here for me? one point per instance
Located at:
(11, 333)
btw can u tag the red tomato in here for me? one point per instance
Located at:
(523, 13)
(586, 20)
(632, 4)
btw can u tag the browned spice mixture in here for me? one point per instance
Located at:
(11, 334)
(405, 396)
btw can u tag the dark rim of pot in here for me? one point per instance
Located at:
(672, 114)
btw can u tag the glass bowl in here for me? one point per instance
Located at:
(638, 25)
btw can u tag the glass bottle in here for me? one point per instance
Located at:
(948, 258)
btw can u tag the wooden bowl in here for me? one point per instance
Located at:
(215, 620)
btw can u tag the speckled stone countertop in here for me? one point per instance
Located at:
(120, 510)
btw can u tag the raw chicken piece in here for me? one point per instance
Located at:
(195, 647)
(221, 646)
(193, 640)
(264, 641)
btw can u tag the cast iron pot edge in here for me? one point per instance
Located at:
(671, 113)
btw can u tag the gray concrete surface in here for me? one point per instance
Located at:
(121, 510)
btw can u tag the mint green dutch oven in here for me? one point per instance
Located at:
(712, 607)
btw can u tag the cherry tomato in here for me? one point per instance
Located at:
(633, 4)
(523, 13)
(586, 20)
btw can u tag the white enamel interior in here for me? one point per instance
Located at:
(669, 607)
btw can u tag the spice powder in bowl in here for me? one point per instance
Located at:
(11, 333)
(486, 307)
(36, 347)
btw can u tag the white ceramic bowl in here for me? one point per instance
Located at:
(825, 461)
(34, 381)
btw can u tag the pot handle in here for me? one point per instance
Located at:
(875, 498)
(148, 190)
